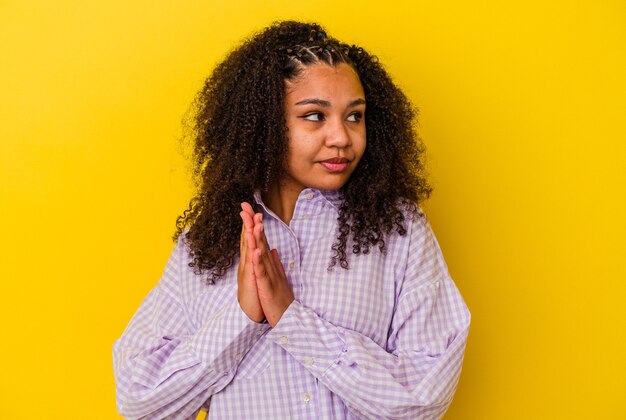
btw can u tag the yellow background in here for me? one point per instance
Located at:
(523, 109)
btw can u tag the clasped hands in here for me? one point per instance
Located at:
(263, 289)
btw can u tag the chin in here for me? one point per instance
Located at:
(330, 186)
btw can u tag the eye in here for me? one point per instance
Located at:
(355, 116)
(314, 116)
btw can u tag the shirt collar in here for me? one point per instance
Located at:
(332, 197)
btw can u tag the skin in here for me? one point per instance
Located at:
(325, 116)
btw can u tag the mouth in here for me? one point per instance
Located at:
(335, 164)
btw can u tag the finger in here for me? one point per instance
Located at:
(242, 237)
(277, 263)
(248, 222)
(245, 206)
(266, 256)
(264, 268)
(260, 270)
(244, 249)
(271, 268)
(248, 230)
(244, 244)
(259, 237)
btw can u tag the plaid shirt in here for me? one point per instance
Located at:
(383, 339)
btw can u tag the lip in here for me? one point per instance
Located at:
(335, 164)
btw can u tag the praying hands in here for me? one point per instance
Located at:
(263, 289)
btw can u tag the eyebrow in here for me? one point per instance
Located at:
(326, 104)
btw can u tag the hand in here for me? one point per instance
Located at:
(247, 293)
(273, 288)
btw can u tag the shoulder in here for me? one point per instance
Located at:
(198, 298)
(425, 264)
(415, 225)
(179, 276)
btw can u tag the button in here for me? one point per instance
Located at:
(283, 340)
(309, 361)
(238, 356)
(306, 397)
(259, 333)
(292, 265)
(304, 217)
(308, 196)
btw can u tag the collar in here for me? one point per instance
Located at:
(332, 197)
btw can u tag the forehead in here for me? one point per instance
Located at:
(324, 82)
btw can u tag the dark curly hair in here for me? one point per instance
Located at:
(239, 129)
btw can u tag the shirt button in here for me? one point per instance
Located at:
(308, 196)
(309, 361)
(283, 340)
(238, 356)
(259, 333)
(306, 397)
(292, 265)
(304, 217)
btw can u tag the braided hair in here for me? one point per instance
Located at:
(240, 145)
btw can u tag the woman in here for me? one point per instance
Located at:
(306, 282)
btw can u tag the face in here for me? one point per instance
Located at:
(325, 114)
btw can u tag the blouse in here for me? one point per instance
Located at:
(384, 338)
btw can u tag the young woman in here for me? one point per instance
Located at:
(305, 282)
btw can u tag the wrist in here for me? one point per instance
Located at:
(255, 315)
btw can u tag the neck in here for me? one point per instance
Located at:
(281, 199)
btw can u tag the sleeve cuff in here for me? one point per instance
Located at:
(313, 342)
(225, 338)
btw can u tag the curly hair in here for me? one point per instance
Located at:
(240, 145)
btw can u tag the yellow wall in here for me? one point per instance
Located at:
(523, 110)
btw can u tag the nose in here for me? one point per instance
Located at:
(338, 135)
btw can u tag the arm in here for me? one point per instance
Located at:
(415, 375)
(163, 367)
(415, 381)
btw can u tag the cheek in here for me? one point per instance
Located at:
(361, 144)
(302, 149)
(296, 158)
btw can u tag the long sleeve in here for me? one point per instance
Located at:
(415, 375)
(383, 339)
(163, 366)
